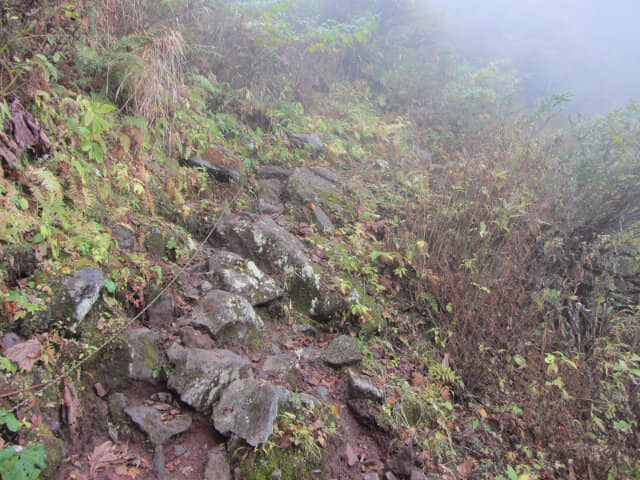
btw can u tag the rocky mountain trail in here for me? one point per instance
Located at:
(216, 363)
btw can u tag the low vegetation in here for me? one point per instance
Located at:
(494, 251)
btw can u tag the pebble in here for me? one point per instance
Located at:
(179, 450)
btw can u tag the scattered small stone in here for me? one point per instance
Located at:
(179, 450)
(390, 476)
(343, 350)
(191, 292)
(206, 286)
(100, 390)
(162, 397)
(323, 393)
(401, 463)
(371, 476)
(192, 338)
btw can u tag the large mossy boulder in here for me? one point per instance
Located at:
(277, 251)
(145, 356)
(199, 376)
(72, 299)
(243, 277)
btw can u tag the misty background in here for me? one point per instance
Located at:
(587, 47)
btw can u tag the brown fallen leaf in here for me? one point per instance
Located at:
(25, 354)
(417, 380)
(464, 469)
(72, 403)
(105, 454)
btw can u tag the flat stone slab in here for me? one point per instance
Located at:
(200, 375)
(158, 426)
(343, 350)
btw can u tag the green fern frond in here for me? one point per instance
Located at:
(45, 185)
(14, 224)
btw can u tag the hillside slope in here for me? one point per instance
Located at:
(278, 240)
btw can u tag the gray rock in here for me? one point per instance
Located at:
(361, 387)
(311, 140)
(154, 243)
(8, 340)
(327, 174)
(225, 315)
(306, 187)
(83, 288)
(322, 221)
(273, 171)
(401, 462)
(192, 338)
(322, 392)
(217, 467)
(247, 409)
(276, 250)
(199, 375)
(390, 476)
(219, 172)
(125, 237)
(160, 314)
(269, 192)
(282, 363)
(158, 428)
(179, 450)
(206, 286)
(371, 476)
(244, 278)
(342, 350)
(145, 356)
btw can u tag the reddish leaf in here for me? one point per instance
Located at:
(25, 354)
(464, 469)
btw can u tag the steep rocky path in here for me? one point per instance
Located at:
(250, 351)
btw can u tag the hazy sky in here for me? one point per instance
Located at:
(590, 47)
